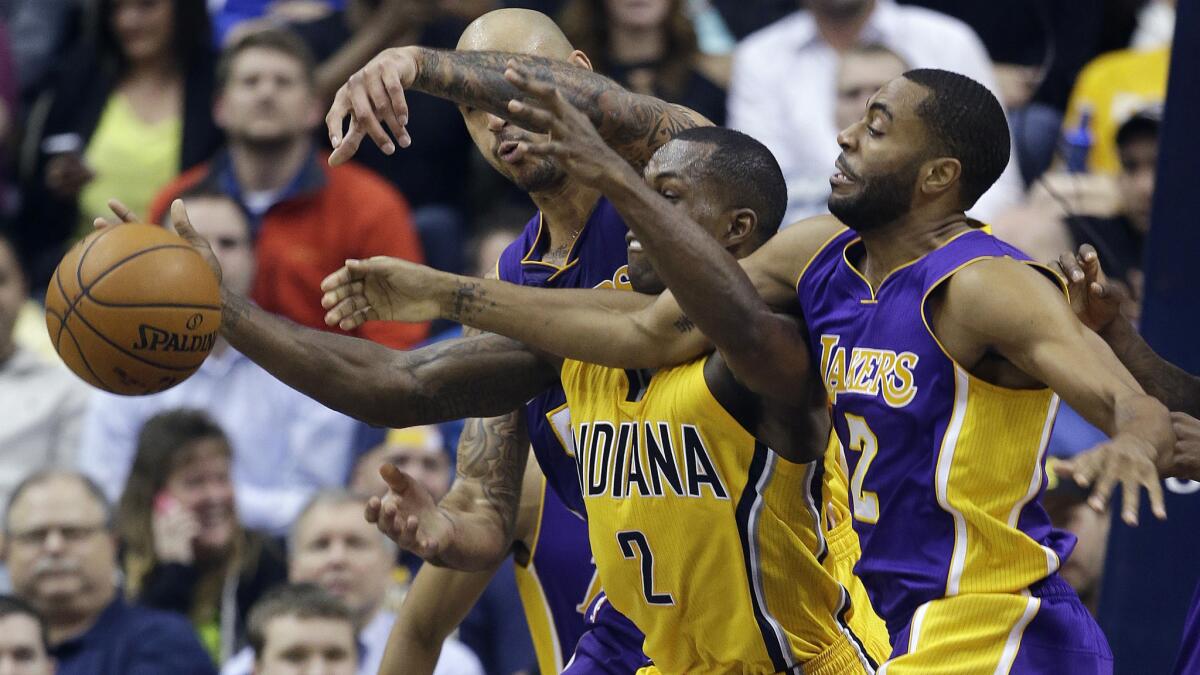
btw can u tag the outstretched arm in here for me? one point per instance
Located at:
(1006, 307)
(634, 124)
(482, 375)
(1098, 305)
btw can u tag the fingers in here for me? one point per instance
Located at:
(1102, 492)
(1154, 488)
(349, 314)
(371, 511)
(336, 117)
(1090, 261)
(349, 145)
(123, 212)
(183, 224)
(394, 89)
(531, 116)
(1071, 269)
(398, 481)
(364, 114)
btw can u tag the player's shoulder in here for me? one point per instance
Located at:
(999, 284)
(804, 239)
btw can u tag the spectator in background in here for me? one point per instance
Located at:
(61, 553)
(302, 629)
(862, 71)
(1109, 90)
(129, 110)
(24, 643)
(43, 402)
(306, 217)
(783, 85)
(183, 547)
(38, 29)
(418, 451)
(495, 628)
(649, 46)
(286, 446)
(431, 173)
(333, 547)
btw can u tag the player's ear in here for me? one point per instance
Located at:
(578, 58)
(939, 175)
(741, 226)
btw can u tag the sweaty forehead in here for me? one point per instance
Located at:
(516, 31)
(682, 158)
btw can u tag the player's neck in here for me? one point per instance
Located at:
(565, 209)
(261, 167)
(905, 240)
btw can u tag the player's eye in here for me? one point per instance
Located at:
(872, 131)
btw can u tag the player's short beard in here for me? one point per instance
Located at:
(545, 175)
(880, 200)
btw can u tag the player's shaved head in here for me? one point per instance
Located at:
(519, 31)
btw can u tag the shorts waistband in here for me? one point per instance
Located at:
(843, 542)
(1052, 586)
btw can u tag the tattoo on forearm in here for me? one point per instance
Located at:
(684, 324)
(493, 452)
(463, 378)
(633, 124)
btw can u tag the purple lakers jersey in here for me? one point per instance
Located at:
(557, 583)
(597, 259)
(946, 470)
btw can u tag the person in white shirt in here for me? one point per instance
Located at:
(42, 402)
(334, 547)
(783, 89)
(286, 446)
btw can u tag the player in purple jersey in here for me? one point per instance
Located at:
(1098, 306)
(944, 353)
(478, 374)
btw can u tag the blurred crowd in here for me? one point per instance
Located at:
(220, 522)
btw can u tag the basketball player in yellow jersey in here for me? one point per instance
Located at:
(704, 501)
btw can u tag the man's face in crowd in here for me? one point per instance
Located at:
(337, 549)
(268, 100)
(60, 553)
(299, 646)
(21, 649)
(1139, 156)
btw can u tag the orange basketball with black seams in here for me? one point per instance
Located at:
(133, 309)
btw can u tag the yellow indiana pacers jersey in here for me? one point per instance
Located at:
(702, 536)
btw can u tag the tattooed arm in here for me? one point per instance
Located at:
(635, 125)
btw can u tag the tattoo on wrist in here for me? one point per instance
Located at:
(469, 298)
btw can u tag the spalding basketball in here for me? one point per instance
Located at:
(133, 309)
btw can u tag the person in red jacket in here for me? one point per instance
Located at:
(306, 216)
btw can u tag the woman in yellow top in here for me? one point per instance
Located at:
(122, 116)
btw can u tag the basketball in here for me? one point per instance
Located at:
(133, 309)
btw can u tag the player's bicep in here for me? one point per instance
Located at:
(1013, 310)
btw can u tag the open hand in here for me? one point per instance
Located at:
(371, 98)
(1095, 299)
(574, 141)
(381, 289)
(1125, 459)
(408, 515)
(178, 220)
